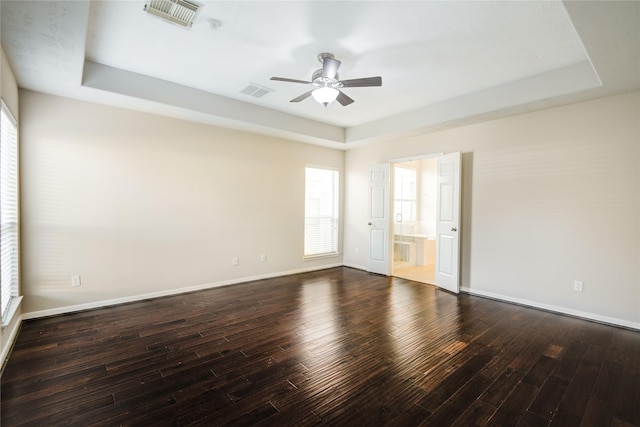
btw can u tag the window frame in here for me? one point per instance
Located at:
(10, 307)
(334, 216)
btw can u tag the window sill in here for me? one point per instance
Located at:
(11, 311)
(321, 256)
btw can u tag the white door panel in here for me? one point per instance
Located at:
(377, 245)
(378, 261)
(377, 202)
(446, 247)
(448, 222)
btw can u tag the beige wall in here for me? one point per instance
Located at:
(548, 198)
(140, 204)
(9, 94)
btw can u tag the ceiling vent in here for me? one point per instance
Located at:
(255, 90)
(181, 12)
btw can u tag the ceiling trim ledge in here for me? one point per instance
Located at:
(570, 79)
(206, 107)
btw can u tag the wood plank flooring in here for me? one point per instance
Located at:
(417, 273)
(333, 347)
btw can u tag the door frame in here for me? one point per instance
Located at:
(390, 195)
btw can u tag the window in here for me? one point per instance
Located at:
(321, 212)
(405, 194)
(8, 213)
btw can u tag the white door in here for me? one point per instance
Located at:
(378, 261)
(448, 222)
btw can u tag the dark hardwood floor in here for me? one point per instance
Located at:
(336, 347)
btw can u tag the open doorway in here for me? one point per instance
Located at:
(406, 220)
(414, 193)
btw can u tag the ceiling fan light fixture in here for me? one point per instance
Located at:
(325, 95)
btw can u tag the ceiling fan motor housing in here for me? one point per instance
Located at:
(318, 80)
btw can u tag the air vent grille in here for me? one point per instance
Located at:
(181, 12)
(255, 90)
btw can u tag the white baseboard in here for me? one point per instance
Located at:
(168, 292)
(554, 308)
(357, 267)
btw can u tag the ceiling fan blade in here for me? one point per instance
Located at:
(343, 99)
(302, 97)
(363, 82)
(330, 67)
(284, 79)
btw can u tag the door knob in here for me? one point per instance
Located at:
(454, 229)
(369, 224)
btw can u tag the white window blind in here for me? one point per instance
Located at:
(321, 212)
(8, 209)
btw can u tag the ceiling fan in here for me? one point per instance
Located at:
(327, 85)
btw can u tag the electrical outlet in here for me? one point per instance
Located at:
(263, 258)
(235, 261)
(357, 250)
(577, 286)
(75, 281)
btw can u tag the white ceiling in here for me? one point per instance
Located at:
(442, 62)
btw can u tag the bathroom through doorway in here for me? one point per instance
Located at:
(414, 185)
